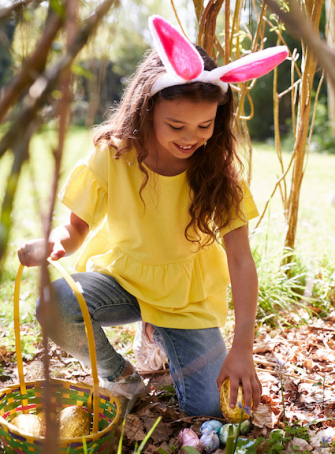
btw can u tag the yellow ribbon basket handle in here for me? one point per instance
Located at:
(88, 329)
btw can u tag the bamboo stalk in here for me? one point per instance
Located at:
(274, 190)
(303, 118)
(226, 32)
(178, 20)
(283, 42)
(283, 191)
(293, 95)
(199, 8)
(235, 23)
(259, 27)
(313, 116)
(208, 24)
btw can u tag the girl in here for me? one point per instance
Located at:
(159, 190)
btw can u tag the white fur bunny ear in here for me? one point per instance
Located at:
(184, 64)
(179, 57)
(252, 66)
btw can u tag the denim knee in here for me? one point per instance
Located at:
(195, 359)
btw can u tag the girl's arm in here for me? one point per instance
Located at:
(239, 365)
(63, 240)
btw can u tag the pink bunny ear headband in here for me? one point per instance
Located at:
(184, 64)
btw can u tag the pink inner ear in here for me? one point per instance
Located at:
(254, 69)
(183, 57)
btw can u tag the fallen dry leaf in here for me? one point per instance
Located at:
(161, 433)
(262, 348)
(291, 447)
(304, 350)
(5, 354)
(323, 435)
(302, 416)
(134, 428)
(264, 417)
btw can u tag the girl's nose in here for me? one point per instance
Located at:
(190, 137)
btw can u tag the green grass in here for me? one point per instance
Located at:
(315, 234)
(31, 204)
(280, 289)
(315, 244)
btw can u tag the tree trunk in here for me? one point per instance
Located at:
(313, 11)
(330, 16)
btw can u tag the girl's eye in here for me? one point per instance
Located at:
(178, 129)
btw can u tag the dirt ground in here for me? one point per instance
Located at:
(300, 361)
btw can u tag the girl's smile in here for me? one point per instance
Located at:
(180, 128)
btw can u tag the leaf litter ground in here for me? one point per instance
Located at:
(300, 361)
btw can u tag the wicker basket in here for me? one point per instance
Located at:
(29, 397)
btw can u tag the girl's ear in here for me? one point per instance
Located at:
(252, 66)
(179, 57)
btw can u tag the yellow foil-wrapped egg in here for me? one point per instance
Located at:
(29, 424)
(73, 422)
(233, 415)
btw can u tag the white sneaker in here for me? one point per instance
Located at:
(149, 357)
(127, 389)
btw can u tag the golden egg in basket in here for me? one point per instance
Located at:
(29, 424)
(233, 415)
(73, 422)
(43, 416)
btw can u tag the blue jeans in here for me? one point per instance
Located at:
(195, 356)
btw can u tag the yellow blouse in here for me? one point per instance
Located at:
(144, 247)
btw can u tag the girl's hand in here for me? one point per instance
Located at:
(32, 252)
(239, 367)
(63, 240)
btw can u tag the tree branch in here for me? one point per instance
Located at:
(32, 67)
(298, 25)
(5, 12)
(45, 84)
(38, 96)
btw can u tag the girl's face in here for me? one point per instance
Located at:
(181, 127)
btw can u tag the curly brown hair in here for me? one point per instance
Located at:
(214, 171)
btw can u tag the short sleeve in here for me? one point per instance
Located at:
(248, 210)
(85, 190)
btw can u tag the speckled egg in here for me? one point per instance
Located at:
(223, 433)
(210, 441)
(245, 427)
(233, 415)
(187, 437)
(213, 424)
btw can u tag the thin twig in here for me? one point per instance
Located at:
(298, 24)
(50, 444)
(178, 20)
(19, 5)
(307, 380)
(274, 190)
(313, 119)
(292, 87)
(283, 42)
